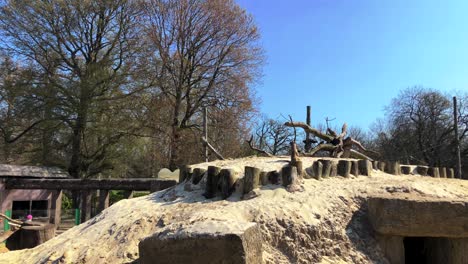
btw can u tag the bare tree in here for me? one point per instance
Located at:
(206, 53)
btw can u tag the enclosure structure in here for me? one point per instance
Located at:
(43, 205)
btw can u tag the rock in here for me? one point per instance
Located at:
(204, 242)
(399, 216)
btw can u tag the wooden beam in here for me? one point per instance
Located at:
(142, 184)
(212, 149)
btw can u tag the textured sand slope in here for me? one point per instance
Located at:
(326, 223)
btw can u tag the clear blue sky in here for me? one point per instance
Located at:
(348, 59)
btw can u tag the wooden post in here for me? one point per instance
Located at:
(205, 131)
(365, 167)
(308, 143)
(393, 168)
(251, 178)
(375, 165)
(56, 206)
(405, 169)
(443, 172)
(450, 173)
(85, 205)
(212, 181)
(421, 170)
(327, 166)
(197, 175)
(458, 171)
(433, 172)
(344, 168)
(103, 200)
(185, 172)
(227, 179)
(128, 194)
(381, 165)
(355, 168)
(317, 168)
(264, 178)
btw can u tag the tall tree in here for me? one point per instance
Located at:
(206, 55)
(86, 53)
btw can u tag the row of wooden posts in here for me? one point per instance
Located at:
(224, 182)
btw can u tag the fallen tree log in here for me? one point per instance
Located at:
(336, 144)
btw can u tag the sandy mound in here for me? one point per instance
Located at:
(326, 223)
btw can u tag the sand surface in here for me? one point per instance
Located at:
(326, 223)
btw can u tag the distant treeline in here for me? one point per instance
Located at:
(418, 128)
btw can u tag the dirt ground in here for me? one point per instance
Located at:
(325, 223)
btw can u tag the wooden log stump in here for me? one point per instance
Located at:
(334, 168)
(450, 173)
(355, 168)
(317, 168)
(393, 167)
(344, 168)
(212, 181)
(290, 178)
(228, 179)
(86, 200)
(251, 178)
(286, 175)
(185, 172)
(264, 178)
(31, 236)
(375, 165)
(406, 170)
(327, 166)
(365, 167)
(422, 170)
(443, 172)
(197, 175)
(433, 172)
(274, 177)
(382, 166)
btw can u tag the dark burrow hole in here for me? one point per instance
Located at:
(415, 251)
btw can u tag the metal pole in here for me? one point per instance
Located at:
(458, 171)
(205, 131)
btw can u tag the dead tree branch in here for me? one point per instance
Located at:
(250, 142)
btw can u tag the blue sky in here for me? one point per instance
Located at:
(348, 59)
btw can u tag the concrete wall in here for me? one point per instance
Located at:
(447, 250)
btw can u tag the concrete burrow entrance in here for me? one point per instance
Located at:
(421, 230)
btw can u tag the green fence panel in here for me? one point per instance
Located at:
(6, 225)
(77, 216)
